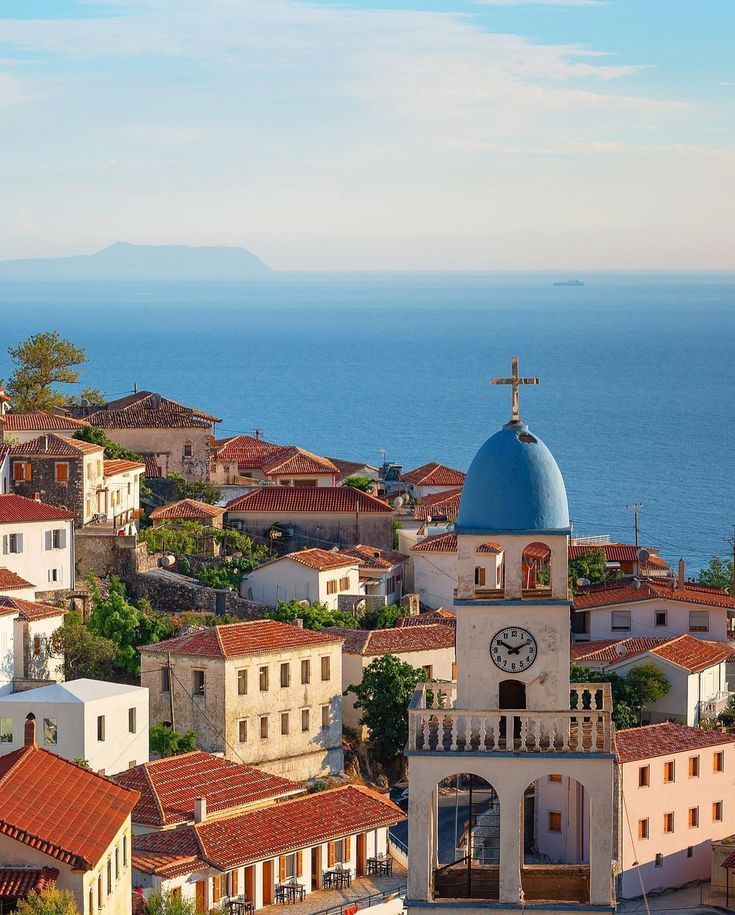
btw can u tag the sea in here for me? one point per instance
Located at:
(636, 400)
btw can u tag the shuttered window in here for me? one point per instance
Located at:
(620, 620)
(699, 620)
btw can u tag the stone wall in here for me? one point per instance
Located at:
(43, 470)
(360, 604)
(170, 592)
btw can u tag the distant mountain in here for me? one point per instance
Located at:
(122, 261)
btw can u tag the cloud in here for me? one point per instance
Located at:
(542, 2)
(10, 90)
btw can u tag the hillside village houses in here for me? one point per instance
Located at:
(432, 478)
(188, 510)
(37, 544)
(244, 462)
(263, 692)
(59, 817)
(18, 428)
(349, 469)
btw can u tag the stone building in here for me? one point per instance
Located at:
(514, 718)
(264, 693)
(323, 516)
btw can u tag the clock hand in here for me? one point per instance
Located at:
(517, 649)
(505, 645)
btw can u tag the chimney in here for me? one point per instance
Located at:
(682, 573)
(30, 732)
(298, 622)
(200, 809)
(36, 496)
(44, 442)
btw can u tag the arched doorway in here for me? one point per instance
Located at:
(511, 695)
(536, 569)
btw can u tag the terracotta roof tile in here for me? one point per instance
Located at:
(291, 459)
(9, 581)
(351, 468)
(111, 468)
(613, 649)
(52, 446)
(371, 557)
(692, 654)
(433, 474)
(168, 853)
(665, 739)
(146, 410)
(18, 882)
(369, 642)
(239, 639)
(441, 616)
(308, 499)
(447, 543)
(168, 787)
(247, 451)
(439, 503)
(18, 508)
(28, 611)
(614, 552)
(42, 422)
(623, 592)
(320, 560)
(187, 509)
(80, 813)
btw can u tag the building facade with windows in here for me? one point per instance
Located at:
(37, 543)
(264, 693)
(311, 575)
(105, 724)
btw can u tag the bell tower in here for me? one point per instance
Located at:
(513, 723)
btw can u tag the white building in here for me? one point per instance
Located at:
(695, 669)
(26, 642)
(309, 575)
(435, 568)
(105, 724)
(432, 478)
(427, 648)
(381, 571)
(37, 542)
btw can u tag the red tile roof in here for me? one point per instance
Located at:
(447, 543)
(76, 813)
(17, 508)
(623, 592)
(239, 639)
(441, 616)
(52, 446)
(439, 503)
(369, 642)
(683, 650)
(111, 468)
(605, 650)
(433, 474)
(146, 410)
(614, 552)
(296, 499)
(28, 611)
(279, 829)
(665, 739)
(168, 787)
(245, 450)
(294, 460)
(320, 560)
(188, 510)
(152, 470)
(42, 422)
(9, 581)
(18, 882)
(371, 557)
(351, 468)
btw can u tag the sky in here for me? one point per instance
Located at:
(382, 135)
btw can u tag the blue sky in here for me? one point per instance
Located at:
(340, 134)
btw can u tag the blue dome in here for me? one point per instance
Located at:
(513, 485)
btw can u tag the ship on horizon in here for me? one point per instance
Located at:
(569, 283)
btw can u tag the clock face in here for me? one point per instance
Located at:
(513, 649)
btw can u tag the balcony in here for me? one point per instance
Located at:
(436, 726)
(541, 883)
(711, 708)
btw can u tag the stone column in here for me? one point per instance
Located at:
(601, 845)
(511, 848)
(420, 839)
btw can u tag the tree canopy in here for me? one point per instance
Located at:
(364, 484)
(86, 654)
(590, 565)
(718, 573)
(42, 362)
(51, 901)
(383, 697)
(315, 615)
(113, 451)
(166, 742)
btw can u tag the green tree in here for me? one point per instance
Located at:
(718, 573)
(41, 362)
(382, 617)
(50, 901)
(201, 490)
(590, 565)
(383, 697)
(315, 615)
(166, 742)
(86, 654)
(165, 903)
(113, 451)
(364, 484)
(643, 685)
(647, 683)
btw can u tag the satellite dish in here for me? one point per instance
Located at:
(620, 650)
(635, 585)
(583, 582)
(398, 503)
(643, 555)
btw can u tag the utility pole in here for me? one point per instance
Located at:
(169, 674)
(731, 541)
(635, 507)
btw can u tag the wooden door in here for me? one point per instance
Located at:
(361, 863)
(200, 896)
(268, 882)
(250, 883)
(316, 867)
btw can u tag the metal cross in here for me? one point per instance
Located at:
(516, 382)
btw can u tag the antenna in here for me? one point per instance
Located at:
(635, 507)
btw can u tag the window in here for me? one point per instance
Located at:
(264, 727)
(242, 683)
(344, 583)
(643, 828)
(693, 817)
(132, 721)
(554, 821)
(306, 671)
(285, 674)
(100, 727)
(325, 716)
(164, 680)
(36, 645)
(699, 620)
(62, 472)
(426, 671)
(555, 778)
(53, 575)
(284, 722)
(620, 620)
(304, 719)
(668, 822)
(263, 678)
(22, 471)
(50, 731)
(326, 669)
(109, 876)
(125, 851)
(669, 772)
(6, 730)
(91, 899)
(100, 894)
(644, 776)
(659, 860)
(187, 449)
(693, 767)
(717, 812)
(117, 864)
(12, 543)
(660, 618)
(690, 851)
(176, 893)
(56, 539)
(718, 761)
(216, 889)
(197, 682)
(242, 730)
(479, 575)
(332, 586)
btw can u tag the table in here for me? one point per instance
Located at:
(239, 905)
(290, 891)
(337, 877)
(380, 866)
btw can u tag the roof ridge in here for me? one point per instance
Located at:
(156, 798)
(219, 639)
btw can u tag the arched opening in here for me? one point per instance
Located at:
(467, 838)
(536, 570)
(489, 571)
(556, 841)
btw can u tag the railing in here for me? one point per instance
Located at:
(364, 902)
(436, 726)
(711, 708)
